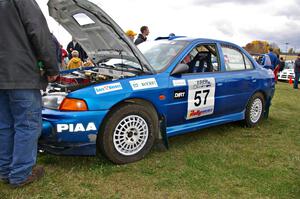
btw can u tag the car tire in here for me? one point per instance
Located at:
(128, 133)
(255, 110)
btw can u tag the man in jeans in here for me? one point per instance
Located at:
(24, 40)
(297, 72)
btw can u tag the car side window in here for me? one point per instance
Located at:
(235, 60)
(202, 58)
(248, 63)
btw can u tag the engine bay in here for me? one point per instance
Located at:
(72, 80)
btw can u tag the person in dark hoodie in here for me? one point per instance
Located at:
(74, 45)
(24, 40)
(297, 72)
(57, 51)
(281, 64)
(142, 37)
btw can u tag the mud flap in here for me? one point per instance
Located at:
(162, 142)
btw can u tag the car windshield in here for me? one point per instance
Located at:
(160, 53)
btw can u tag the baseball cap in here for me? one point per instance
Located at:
(130, 33)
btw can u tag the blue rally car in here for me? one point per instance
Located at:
(135, 98)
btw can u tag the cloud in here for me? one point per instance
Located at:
(238, 21)
(224, 27)
(285, 34)
(291, 12)
(212, 2)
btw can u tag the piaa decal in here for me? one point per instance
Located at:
(74, 128)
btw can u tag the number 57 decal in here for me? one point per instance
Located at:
(201, 97)
(198, 98)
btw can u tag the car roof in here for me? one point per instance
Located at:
(192, 39)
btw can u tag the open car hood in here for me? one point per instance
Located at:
(97, 33)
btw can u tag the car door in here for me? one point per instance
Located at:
(240, 78)
(197, 94)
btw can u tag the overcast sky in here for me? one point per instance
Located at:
(237, 21)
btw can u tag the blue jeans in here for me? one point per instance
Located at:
(297, 75)
(20, 127)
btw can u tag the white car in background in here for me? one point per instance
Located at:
(287, 72)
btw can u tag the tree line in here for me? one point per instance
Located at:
(261, 47)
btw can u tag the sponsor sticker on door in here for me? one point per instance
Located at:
(201, 97)
(143, 84)
(108, 88)
(179, 94)
(179, 82)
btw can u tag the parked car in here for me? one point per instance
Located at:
(287, 73)
(134, 98)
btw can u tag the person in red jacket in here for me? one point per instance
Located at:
(276, 70)
(64, 57)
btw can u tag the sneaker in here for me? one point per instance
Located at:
(37, 173)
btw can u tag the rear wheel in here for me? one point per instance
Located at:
(128, 133)
(255, 110)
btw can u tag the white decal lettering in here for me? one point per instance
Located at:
(73, 128)
(143, 84)
(180, 82)
(91, 127)
(62, 127)
(79, 127)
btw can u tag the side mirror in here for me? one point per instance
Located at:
(180, 68)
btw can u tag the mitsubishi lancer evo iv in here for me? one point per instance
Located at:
(136, 97)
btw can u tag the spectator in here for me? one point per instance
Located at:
(281, 64)
(274, 59)
(88, 63)
(131, 34)
(143, 36)
(57, 51)
(75, 62)
(64, 57)
(25, 39)
(74, 45)
(266, 61)
(297, 71)
(276, 70)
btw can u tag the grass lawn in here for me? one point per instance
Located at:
(227, 161)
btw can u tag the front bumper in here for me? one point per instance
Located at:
(70, 133)
(76, 149)
(286, 76)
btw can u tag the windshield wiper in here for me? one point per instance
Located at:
(103, 65)
(122, 67)
(126, 66)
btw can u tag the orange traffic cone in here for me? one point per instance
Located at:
(290, 81)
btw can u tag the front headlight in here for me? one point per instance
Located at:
(53, 100)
